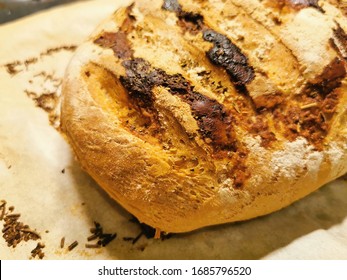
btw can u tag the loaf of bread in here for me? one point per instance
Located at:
(196, 113)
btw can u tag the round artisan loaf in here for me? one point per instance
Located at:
(195, 113)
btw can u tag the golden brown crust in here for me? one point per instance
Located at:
(203, 113)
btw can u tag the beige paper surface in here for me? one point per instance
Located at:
(33, 55)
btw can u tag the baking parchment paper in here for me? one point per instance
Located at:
(41, 179)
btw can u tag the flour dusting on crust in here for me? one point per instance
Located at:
(296, 156)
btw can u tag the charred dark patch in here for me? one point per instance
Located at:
(229, 56)
(138, 81)
(330, 78)
(118, 42)
(339, 42)
(139, 87)
(213, 120)
(224, 53)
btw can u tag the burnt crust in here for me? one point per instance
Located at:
(118, 42)
(230, 57)
(213, 120)
(224, 53)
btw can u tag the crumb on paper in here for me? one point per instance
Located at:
(15, 232)
(72, 245)
(42, 87)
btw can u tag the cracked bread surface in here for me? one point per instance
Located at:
(198, 113)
